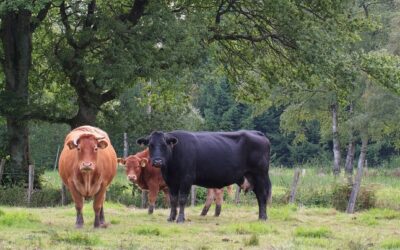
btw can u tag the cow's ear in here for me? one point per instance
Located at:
(121, 161)
(71, 144)
(171, 140)
(142, 141)
(143, 162)
(102, 144)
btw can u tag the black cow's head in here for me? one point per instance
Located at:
(160, 147)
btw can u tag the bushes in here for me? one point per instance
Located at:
(366, 198)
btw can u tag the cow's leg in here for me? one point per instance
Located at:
(209, 200)
(97, 207)
(184, 191)
(152, 197)
(173, 196)
(166, 197)
(261, 193)
(78, 200)
(219, 198)
(102, 220)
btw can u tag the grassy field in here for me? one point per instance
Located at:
(288, 227)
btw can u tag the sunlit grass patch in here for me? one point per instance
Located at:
(17, 219)
(318, 211)
(282, 212)
(320, 232)
(77, 238)
(156, 230)
(320, 243)
(391, 244)
(372, 216)
(388, 197)
(258, 227)
(252, 241)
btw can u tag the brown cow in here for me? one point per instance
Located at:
(217, 195)
(145, 176)
(87, 165)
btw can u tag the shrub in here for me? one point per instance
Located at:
(341, 193)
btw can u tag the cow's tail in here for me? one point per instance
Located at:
(269, 196)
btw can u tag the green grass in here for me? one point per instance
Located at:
(391, 244)
(320, 232)
(237, 227)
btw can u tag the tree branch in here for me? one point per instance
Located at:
(64, 20)
(135, 13)
(40, 16)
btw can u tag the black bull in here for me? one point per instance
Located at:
(211, 160)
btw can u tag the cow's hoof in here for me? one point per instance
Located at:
(78, 226)
(170, 219)
(180, 220)
(264, 218)
(103, 225)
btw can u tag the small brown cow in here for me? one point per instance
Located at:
(217, 195)
(145, 176)
(87, 165)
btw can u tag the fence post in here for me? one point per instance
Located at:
(237, 194)
(144, 199)
(63, 194)
(30, 182)
(56, 161)
(2, 164)
(126, 145)
(193, 195)
(296, 178)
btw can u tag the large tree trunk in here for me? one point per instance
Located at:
(86, 114)
(335, 139)
(16, 38)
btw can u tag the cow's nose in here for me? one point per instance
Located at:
(87, 166)
(157, 162)
(132, 177)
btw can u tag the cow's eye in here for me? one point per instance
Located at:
(95, 149)
(78, 148)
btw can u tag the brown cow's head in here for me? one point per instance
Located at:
(133, 166)
(87, 147)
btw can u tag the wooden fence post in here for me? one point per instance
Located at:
(56, 161)
(144, 199)
(30, 182)
(2, 164)
(296, 178)
(126, 145)
(237, 194)
(193, 196)
(63, 194)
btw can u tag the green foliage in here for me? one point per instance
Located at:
(321, 232)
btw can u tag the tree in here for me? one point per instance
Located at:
(19, 20)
